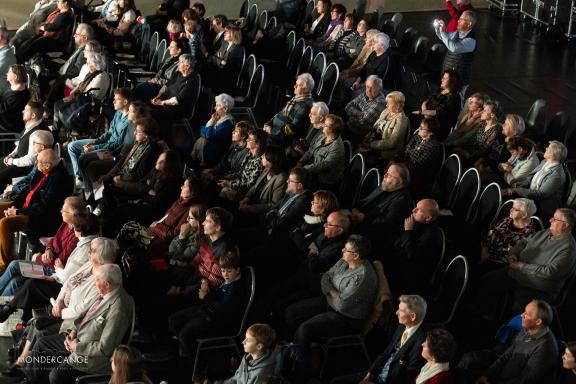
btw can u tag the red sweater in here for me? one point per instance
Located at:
(455, 14)
(63, 243)
(440, 378)
(165, 231)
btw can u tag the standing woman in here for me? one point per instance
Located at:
(13, 101)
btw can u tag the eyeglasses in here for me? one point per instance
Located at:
(332, 225)
(348, 250)
(292, 181)
(555, 219)
(388, 175)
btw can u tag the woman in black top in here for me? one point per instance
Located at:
(13, 101)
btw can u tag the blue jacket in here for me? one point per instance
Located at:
(112, 139)
(218, 140)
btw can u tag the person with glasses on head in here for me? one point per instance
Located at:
(538, 266)
(35, 205)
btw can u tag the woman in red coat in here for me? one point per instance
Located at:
(437, 349)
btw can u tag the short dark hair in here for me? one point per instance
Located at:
(340, 9)
(87, 224)
(148, 126)
(20, 71)
(360, 244)
(544, 311)
(302, 175)
(124, 92)
(230, 259)
(221, 217)
(441, 345)
(36, 108)
(244, 127)
(432, 124)
(516, 142)
(261, 138)
(263, 333)
(173, 165)
(455, 83)
(199, 8)
(141, 109)
(275, 155)
(496, 108)
(337, 123)
(221, 19)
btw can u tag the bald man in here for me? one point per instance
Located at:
(35, 202)
(417, 251)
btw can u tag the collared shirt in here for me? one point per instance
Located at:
(363, 112)
(457, 42)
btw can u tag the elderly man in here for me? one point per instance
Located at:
(363, 111)
(36, 201)
(546, 181)
(539, 266)
(94, 334)
(417, 251)
(401, 361)
(19, 162)
(455, 12)
(290, 122)
(381, 214)
(461, 46)
(7, 58)
(109, 141)
(533, 355)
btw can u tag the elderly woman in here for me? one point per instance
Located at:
(14, 99)
(496, 246)
(469, 121)
(349, 289)
(389, 134)
(327, 160)
(35, 202)
(235, 186)
(376, 63)
(438, 349)
(569, 363)
(523, 160)
(269, 188)
(57, 251)
(74, 297)
(215, 136)
(444, 105)
(169, 67)
(232, 160)
(95, 83)
(317, 27)
(290, 122)
(315, 133)
(547, 181)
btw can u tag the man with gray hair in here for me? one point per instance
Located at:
(35, 202)
(402, 359)
(290, 122)
(7, 58)
(363, 111)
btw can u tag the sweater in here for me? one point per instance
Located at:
(252, 371)
(112, 139)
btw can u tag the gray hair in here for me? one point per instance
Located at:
(106, 250)
(87, 29)
(42, 137)
(371, 33)
(525, 205)
(98, 60)
(321, 107)
(517, 123)
(226, 100)
(415, 304)
(76, 204)
(308, 81)
(360, 244)
(403, 172)
(110, 273)
(383, 39)
(51, 156)
(559, 151)
(188, 60)
(376, 80)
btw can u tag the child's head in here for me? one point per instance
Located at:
(230, 266)
(174, 29)
(191, 25)
(259, 339)
(200, 9)
(126, 364)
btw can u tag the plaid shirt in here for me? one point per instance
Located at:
(422, 154)
(363, 113)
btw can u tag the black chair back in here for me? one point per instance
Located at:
(246, 73)
(466, 194)
(537, 222)
(255, 87)
(294, 58)
(407, 41)
(487, 207)
(263, 20)
(352, 178)
(317, 69)
(158, 55)
(305, 61)
(370, 182)
(503, 212)
(447, 179)
(329, 81)
(452, 286)
(559, 128)
(536, 119)
(347, 150)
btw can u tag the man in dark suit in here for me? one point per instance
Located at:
(93, 337)
(216, 35)
(402, 359)
(380, 216)
(35, 203)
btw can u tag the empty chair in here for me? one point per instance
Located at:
(466, 194)
(305, 61)
(451, 287)
(447, 179)
(294, 59)
(317, 69)
(350, 181)
(407, 41)
(370, 182)
(248, 104)
(536, 119)
(272, 23)
(387, 27)
(251, 18)
(245, 75)
(290, 41)
(418, 53)
(432, 67)
(263, 20)
(397, 20)
(347, 150)
(158, 56)
(559, 128)
(244, 8)
(328, 83)
(487, 208)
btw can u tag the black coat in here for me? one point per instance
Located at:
(12, 104)
(282, 224)
(44, 208)
(407, 363)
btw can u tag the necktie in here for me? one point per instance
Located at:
(93, 308)
(403, 338)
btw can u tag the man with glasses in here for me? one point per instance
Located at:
(538, 267)
(35, 207)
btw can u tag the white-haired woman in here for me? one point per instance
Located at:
(546, 181)
(496, 246)
(96, 83)
(216, 135)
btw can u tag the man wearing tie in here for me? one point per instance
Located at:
(88, 346)
(401, 361)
